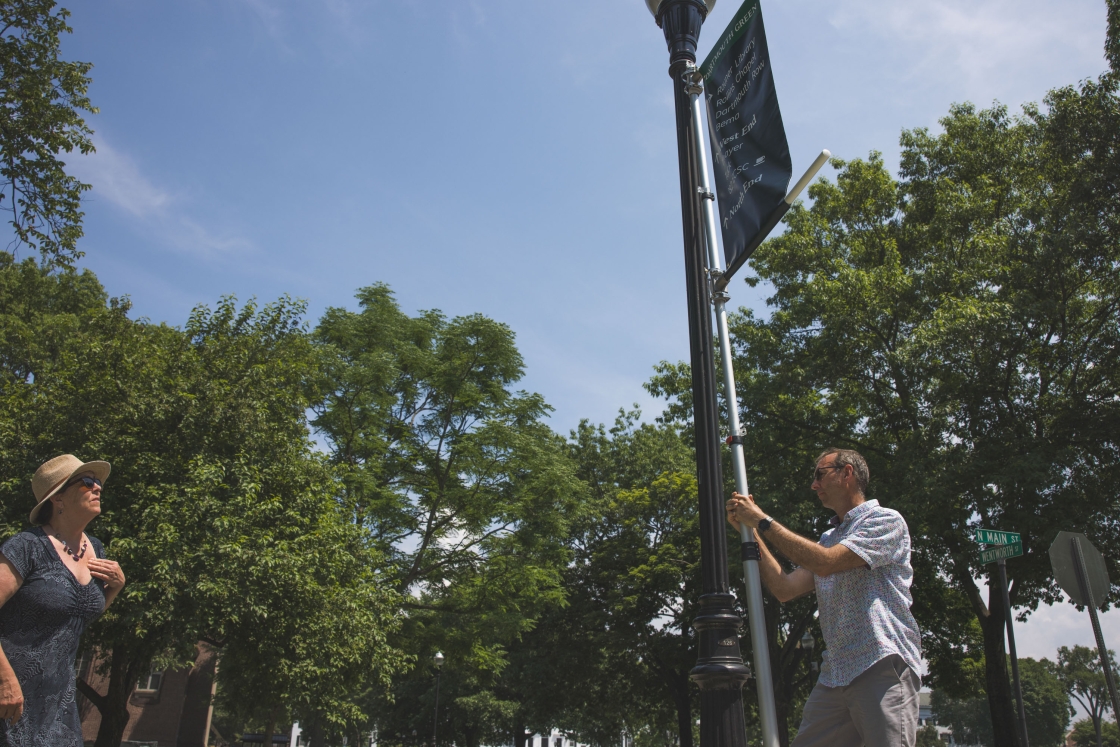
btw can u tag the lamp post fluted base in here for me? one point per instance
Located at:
(720, 673)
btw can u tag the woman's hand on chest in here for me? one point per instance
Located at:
(79, 568)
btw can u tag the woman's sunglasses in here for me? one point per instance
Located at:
(89, 482)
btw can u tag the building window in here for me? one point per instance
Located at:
(81, 665)
(149, 683)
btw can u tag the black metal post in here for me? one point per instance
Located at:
(719, 672)
(435, 716)
(1014, 655)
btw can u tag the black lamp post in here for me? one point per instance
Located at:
(438, 661)
(719, 672)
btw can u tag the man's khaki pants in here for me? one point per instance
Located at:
(878, 709)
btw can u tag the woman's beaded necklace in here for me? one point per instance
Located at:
(77, 556)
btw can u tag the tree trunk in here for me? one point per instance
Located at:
(783, 694)
(520, 736)
(123, 671)
(680, 689)
(315, 734)
(1097, 728)
(1001, 702)
(679, 684)
(270, 727)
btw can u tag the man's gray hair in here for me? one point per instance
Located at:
(854, 458)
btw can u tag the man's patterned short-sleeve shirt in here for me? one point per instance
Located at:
(865, 612)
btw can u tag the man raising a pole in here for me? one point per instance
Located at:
(867, 692)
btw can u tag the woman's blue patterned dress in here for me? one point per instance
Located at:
(39, 631)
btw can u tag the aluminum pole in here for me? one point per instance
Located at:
(1002, 563)
(756, 616)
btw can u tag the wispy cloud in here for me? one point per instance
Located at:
(118, 180)
(269, 17)
(342, 19)
(189, 235)
(976, 40)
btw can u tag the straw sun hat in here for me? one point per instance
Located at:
(53, 475)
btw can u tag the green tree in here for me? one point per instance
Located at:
(780, 451)
(624, 647)
(960, 328)
(928, 736)
(632, 586)
(463, 489)
(1044, 701)
(213, 475)
(967, 718)
(1112, 39)
(41, 98)
(1079, 669)
(302, 629)
(1085, 734)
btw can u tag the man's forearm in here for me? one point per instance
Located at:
(817, 559)
(813, 559)
(768, 566)
(784, 586)
(800, 551)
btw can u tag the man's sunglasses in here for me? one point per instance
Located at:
(86, 480)
(819, 472)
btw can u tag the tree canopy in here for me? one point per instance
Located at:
(959, 326)
(41, 100)
(1045, 702)
(463, 488)
(1079, 669)
(216, 495)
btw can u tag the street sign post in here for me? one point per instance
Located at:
(1073, 554)
(1001, 552)
(1002, 562)
(994, 537)
(1001, 546)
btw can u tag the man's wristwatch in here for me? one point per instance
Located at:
(764, 524)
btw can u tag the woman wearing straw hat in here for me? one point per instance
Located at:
(54, 580)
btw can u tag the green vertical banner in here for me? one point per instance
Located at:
(749, 147)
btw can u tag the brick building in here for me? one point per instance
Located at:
(172, 708)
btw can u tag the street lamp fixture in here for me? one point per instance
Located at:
(719, 672)
(655, 5)
(437, 660)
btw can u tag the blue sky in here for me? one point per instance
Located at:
(516, 159)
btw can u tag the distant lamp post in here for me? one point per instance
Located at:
(809, 643)
(719, 672)
(438, 661)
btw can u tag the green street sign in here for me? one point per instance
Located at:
(1001, 552)
(992, 537)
